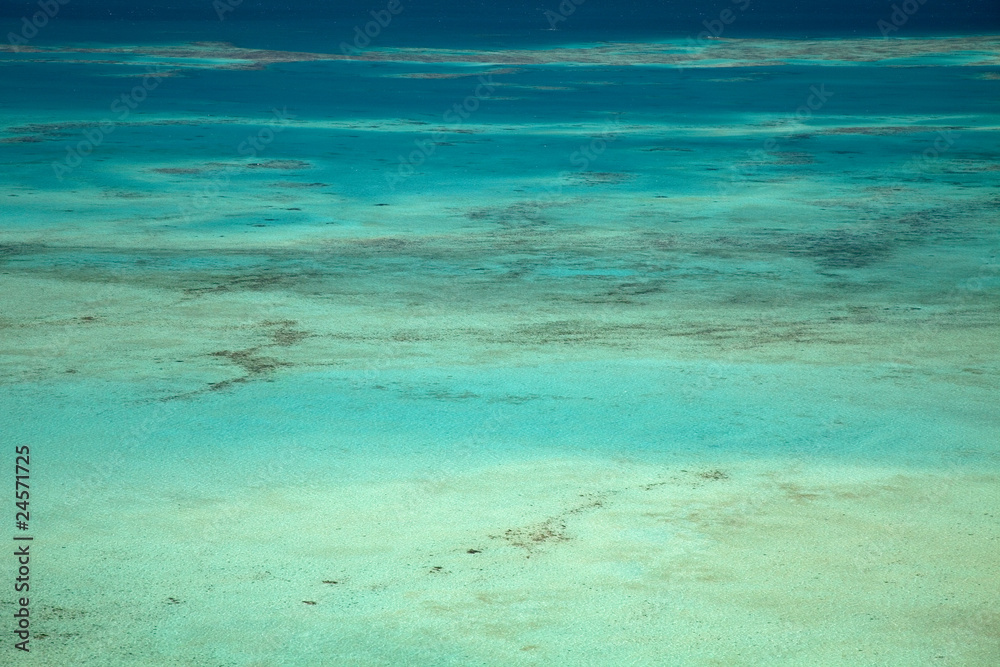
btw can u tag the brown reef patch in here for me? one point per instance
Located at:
(592, 178)
(293, 184)
(454, 75)
(550, 530)
(975, 50)
(886, 130)
(21, 140)
(177, 170)
(279, 164)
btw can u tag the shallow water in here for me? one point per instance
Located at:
(636, 364)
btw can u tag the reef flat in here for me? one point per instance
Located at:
(979, 50)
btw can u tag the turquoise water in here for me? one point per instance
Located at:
(639, 363)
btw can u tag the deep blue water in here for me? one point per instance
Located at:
(595, 17)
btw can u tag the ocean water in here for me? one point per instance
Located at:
(489, 344)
